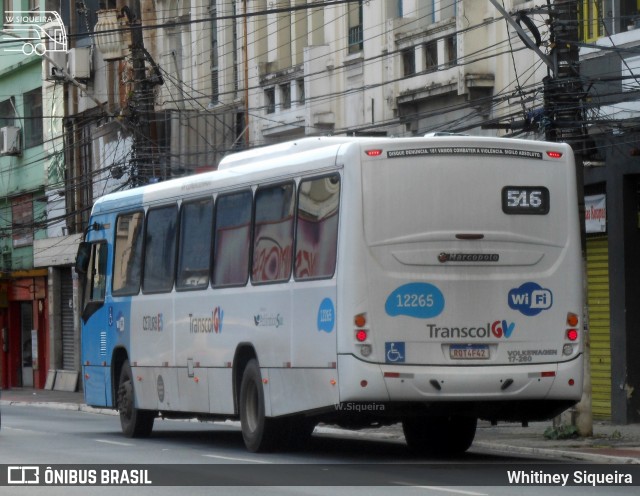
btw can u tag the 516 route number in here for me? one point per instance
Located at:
(528, 200)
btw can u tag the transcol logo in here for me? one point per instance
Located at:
(34, 32)
(530, 299)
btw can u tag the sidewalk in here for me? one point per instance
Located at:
(609, 443)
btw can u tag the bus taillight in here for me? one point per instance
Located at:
(572, 334)
(362, 334)
(373, 153)
(552, 154)
(572, 319)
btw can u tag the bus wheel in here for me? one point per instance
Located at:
(259, 432)
(439, 435)
(134, 422)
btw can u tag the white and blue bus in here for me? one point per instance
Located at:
(356, 281)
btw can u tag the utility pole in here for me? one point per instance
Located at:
(564, 122)
(563, 100)
(141, 106)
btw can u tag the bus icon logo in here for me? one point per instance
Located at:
(530, 299)
(34, 32)
(23, 474)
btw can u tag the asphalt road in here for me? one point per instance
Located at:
(185, 453)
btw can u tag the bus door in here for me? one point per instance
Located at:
(92, 262)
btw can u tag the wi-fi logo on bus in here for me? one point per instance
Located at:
(530, 299)
(34, 32)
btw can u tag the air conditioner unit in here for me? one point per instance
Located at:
(10, 140)
(53, 68)
(80, 63)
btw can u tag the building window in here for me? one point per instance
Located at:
(431, 55)
(22, 221)
(300, 88)
(355, 27)
(408, 62)
(591, 19)
(447, 9)
(270, 100)
(7, 113)
(285, 95)
(33, 118)
(451, 50)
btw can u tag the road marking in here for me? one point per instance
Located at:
(444, 489)
(449, 490)
(28, 431)
(233, 459)
(113, 442)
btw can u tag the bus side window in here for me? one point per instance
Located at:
(160, 249)
(317, 228)
(196, 222)
(127, 263)
(96, 280)
(273, 234)
(232, 239)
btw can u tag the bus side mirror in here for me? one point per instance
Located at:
(83, 257)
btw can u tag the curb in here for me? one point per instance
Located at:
(77, 407)
(556, 453)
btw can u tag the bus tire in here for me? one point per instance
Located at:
(134, 422)
(444, 435)
(260, 433)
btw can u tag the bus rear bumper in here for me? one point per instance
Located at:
(363, 381)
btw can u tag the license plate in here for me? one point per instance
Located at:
(469, 351)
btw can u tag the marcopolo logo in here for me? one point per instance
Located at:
(530, 299)
(33, 32)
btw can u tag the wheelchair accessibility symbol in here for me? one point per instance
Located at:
(394, 352)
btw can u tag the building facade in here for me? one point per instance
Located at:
(611, 67)
(23, 287)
